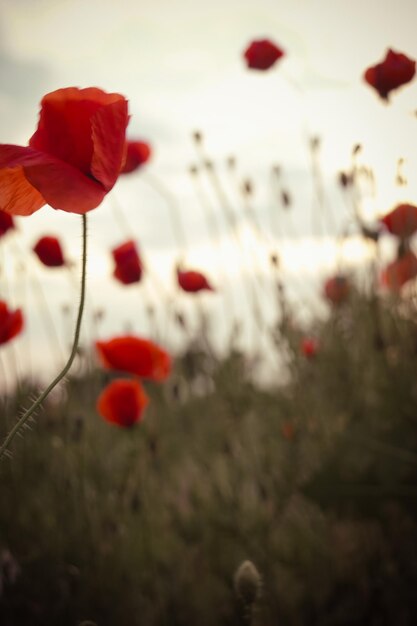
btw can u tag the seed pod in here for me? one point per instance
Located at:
(247, 582)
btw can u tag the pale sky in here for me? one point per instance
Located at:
(180, 65)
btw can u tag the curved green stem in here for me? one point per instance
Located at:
(29, 412)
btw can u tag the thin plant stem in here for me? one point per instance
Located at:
(30, 411)
(174, 210)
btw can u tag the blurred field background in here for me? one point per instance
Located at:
(255, 448)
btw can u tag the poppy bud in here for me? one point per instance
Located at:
(315, 143)
(345, 179)
(274, 258)
(247, 187)
(247, 582)
(285, 198)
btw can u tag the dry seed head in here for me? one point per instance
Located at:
(231, 162)
(285, 198)
(247, 582)
(345, 179)
(247, 187)
(274, 258)
(315, 143)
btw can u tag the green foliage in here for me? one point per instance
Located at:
(149, 525)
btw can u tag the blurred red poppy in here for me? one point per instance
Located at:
(74, 157)
(309, 347)
(128, 264)
(136, 356)
(262, 54)
(193, 282)
(336, 289)
(288, 431)
(49, 252)
(399, 272)
(11, 322)
(137, 154)
(395, 70)
(122, 402)
(401, 221)
(6, 223)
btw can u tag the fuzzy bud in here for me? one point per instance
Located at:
(247, 582)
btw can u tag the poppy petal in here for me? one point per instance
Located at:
(137, 154)
(135, 356)
(17, 196)
(65, 124)
(108, 128)
(193, 281)
(61, 185)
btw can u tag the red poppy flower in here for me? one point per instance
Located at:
(288, 431)
(122, 402)
(309, 347)
(6, 223)
(138, 153)
(128, 264)
(193, 281)
(395, 70)
(400, 271)
(137, 356)
(262, 54)
(11, 322)
(73, 159)
(49, 252)
(401, 221)
(337, 289)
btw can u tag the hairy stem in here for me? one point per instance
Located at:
(30, 411)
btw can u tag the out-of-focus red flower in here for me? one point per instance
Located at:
(49, 252)
(11, 322)
(6, 223)
(401, 221)
(399, 272)
(136, 356)
(137, 154)
(262, 54)
(309, 347)
(336, 289)
(74, 157)
(288, 431)
(128, 264)
(122, 402)
(193, 282)
(395, 70)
